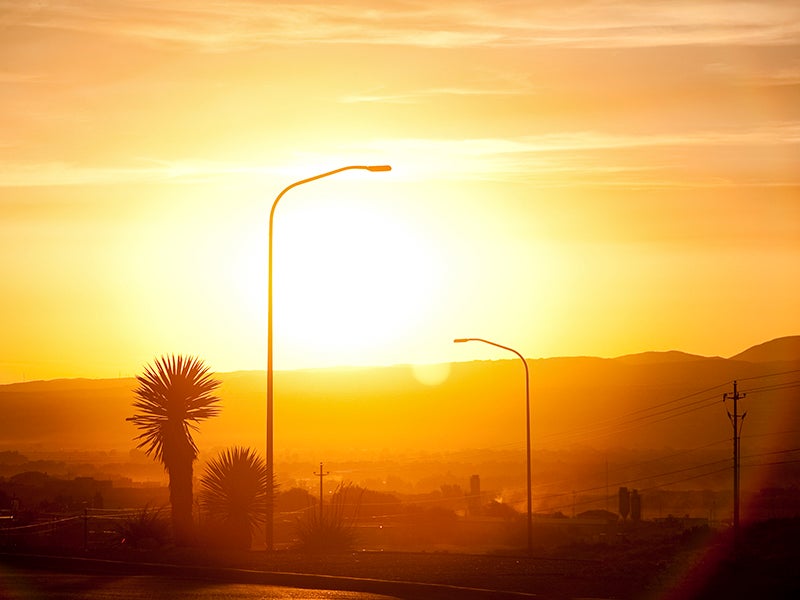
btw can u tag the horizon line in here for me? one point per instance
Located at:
(688, 355)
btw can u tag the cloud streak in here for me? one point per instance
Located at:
(216, 26)
(415, 96)
(545, 158)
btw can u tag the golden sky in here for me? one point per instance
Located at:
(569, 178)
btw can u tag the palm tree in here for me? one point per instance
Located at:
(233, 494)
(174, 394)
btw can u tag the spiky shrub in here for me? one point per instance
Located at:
(334, 530)
(233, 495)
(173, 396)
(146, 529)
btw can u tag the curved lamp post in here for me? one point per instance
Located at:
(268, 526)
(527, 425)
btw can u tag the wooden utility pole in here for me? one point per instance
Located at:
(736, 421)
(321, 474)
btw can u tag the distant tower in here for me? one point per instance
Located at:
(636, 506)
(474, 500)
(624, 502)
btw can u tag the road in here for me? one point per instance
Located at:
(36, 584)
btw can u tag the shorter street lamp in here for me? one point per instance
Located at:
(527, 425)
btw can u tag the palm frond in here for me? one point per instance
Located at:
(173, 394)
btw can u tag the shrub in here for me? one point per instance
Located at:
(233, 496)
(146, 529)
(333, 531)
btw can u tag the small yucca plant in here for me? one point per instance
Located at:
(146, 529)
(333, 531)
(233, 495)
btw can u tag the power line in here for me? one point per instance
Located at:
(772, 453)
(766, 376)
(600, 430)
(686, 397)
(668, 456)
(784, 462)
(614, 425)
(632, 465)
(788, 385)
(676, 471)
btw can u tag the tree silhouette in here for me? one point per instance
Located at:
(234, 496)
(174, 394)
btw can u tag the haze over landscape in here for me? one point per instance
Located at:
(609, 189)
(653, 418)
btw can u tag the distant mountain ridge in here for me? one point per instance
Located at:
(649, 358)
(782, 349)
(574, 400)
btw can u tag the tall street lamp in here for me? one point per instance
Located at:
(527, 425)
(270, 462)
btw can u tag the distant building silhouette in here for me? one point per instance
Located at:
(624, 503)
(474, 498)
(636, 506)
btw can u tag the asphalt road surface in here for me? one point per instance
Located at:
(24, 584)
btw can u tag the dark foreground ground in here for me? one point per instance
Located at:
(695, 565)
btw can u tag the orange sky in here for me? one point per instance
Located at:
(595, 178)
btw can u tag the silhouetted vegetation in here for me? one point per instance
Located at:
(293, 500)
(233, 496)
(146, 529)
(174, 394)
(334, 530)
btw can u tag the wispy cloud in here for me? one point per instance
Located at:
(145, 170)
(415, 96)
(560, 158)
(777, 135)
(580, 157)
(151, 170)
(218, 26)
(17, 78)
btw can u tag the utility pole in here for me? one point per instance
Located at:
(321, 474)
(736, 421)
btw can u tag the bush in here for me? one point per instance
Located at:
(233, 496)
(333, 531)
(147, 529)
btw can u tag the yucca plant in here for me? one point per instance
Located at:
(233, 495)
(333, 530)
(174, 394)
(145, 529)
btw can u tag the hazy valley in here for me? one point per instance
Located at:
(651, 420)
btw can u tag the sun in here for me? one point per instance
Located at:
(351, 278)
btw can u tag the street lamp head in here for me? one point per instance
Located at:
(460, 340)
(376, 168)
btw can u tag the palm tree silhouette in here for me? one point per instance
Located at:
(174, 394)
(233, 493)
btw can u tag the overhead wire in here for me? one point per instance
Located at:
(666, 414)
(621, 423)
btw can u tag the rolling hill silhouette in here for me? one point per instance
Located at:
(784, 349)
(648, 400)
